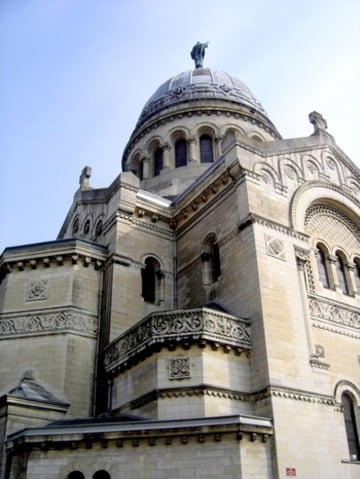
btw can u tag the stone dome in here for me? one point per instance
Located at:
(186, 125)
(198, 85)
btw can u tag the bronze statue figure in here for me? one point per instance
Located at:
(198, 53)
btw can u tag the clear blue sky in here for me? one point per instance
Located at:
(76, 73)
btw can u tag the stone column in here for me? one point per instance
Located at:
(332, 273)
(146, 168)
(217, 153)
(193, 157)
(349, 270)
(167, 163)
(302, 259)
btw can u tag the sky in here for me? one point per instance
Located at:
(75, 74)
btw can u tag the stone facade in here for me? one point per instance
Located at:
(198, 317)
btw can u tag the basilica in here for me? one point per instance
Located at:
(197, 318)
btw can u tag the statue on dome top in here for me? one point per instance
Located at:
(198, 53)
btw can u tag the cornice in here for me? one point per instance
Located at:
(201, 204)
(53, 253)
(21, 404)
(121, 433)
(211, 391)
(295, 395)
(201, 110)
(254, 218)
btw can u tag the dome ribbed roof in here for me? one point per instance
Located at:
(196, 85)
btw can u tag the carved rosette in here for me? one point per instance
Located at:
(178, 327)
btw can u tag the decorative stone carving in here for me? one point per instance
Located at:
(274, 247)
(37, 290)
(45, 321)
(319, 351)
(179, 368)
(178, 327)
(318, 121)
(290, 172)
(333, 313)
(84, 178)
(325, 220)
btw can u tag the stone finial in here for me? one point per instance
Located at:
(318, 121)
(84, 178)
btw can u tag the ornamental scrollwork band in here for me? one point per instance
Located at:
(333, 313)
(46, 322)
(177, 327)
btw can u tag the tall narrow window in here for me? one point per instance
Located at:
(322, 267)
(99, 229)
(357, 274)
(158, 161)
(180, 153)
(75, 227)
(151, 277)
(206, 149)
(340, 270)
(211, 262)
(350, 426)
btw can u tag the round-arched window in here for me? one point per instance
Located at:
(86, 227)
(101, 475)
(76, 475)
(99, 228)
(75, 227)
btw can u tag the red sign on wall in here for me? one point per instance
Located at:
(290, 471)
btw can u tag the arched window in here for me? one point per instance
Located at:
(351, 426)
(101, 475)
(76, 475)
(357, 274)
(322, 266)
(158, 161)
(141, 170)
(206, 149)
(99, 228)
(341, 275)
(86, 228)
(151, 277)
(180, 153)
(75, 227)
(211, 262)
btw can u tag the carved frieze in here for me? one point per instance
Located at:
(332, 312)
(47, 321)
(178, 327)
